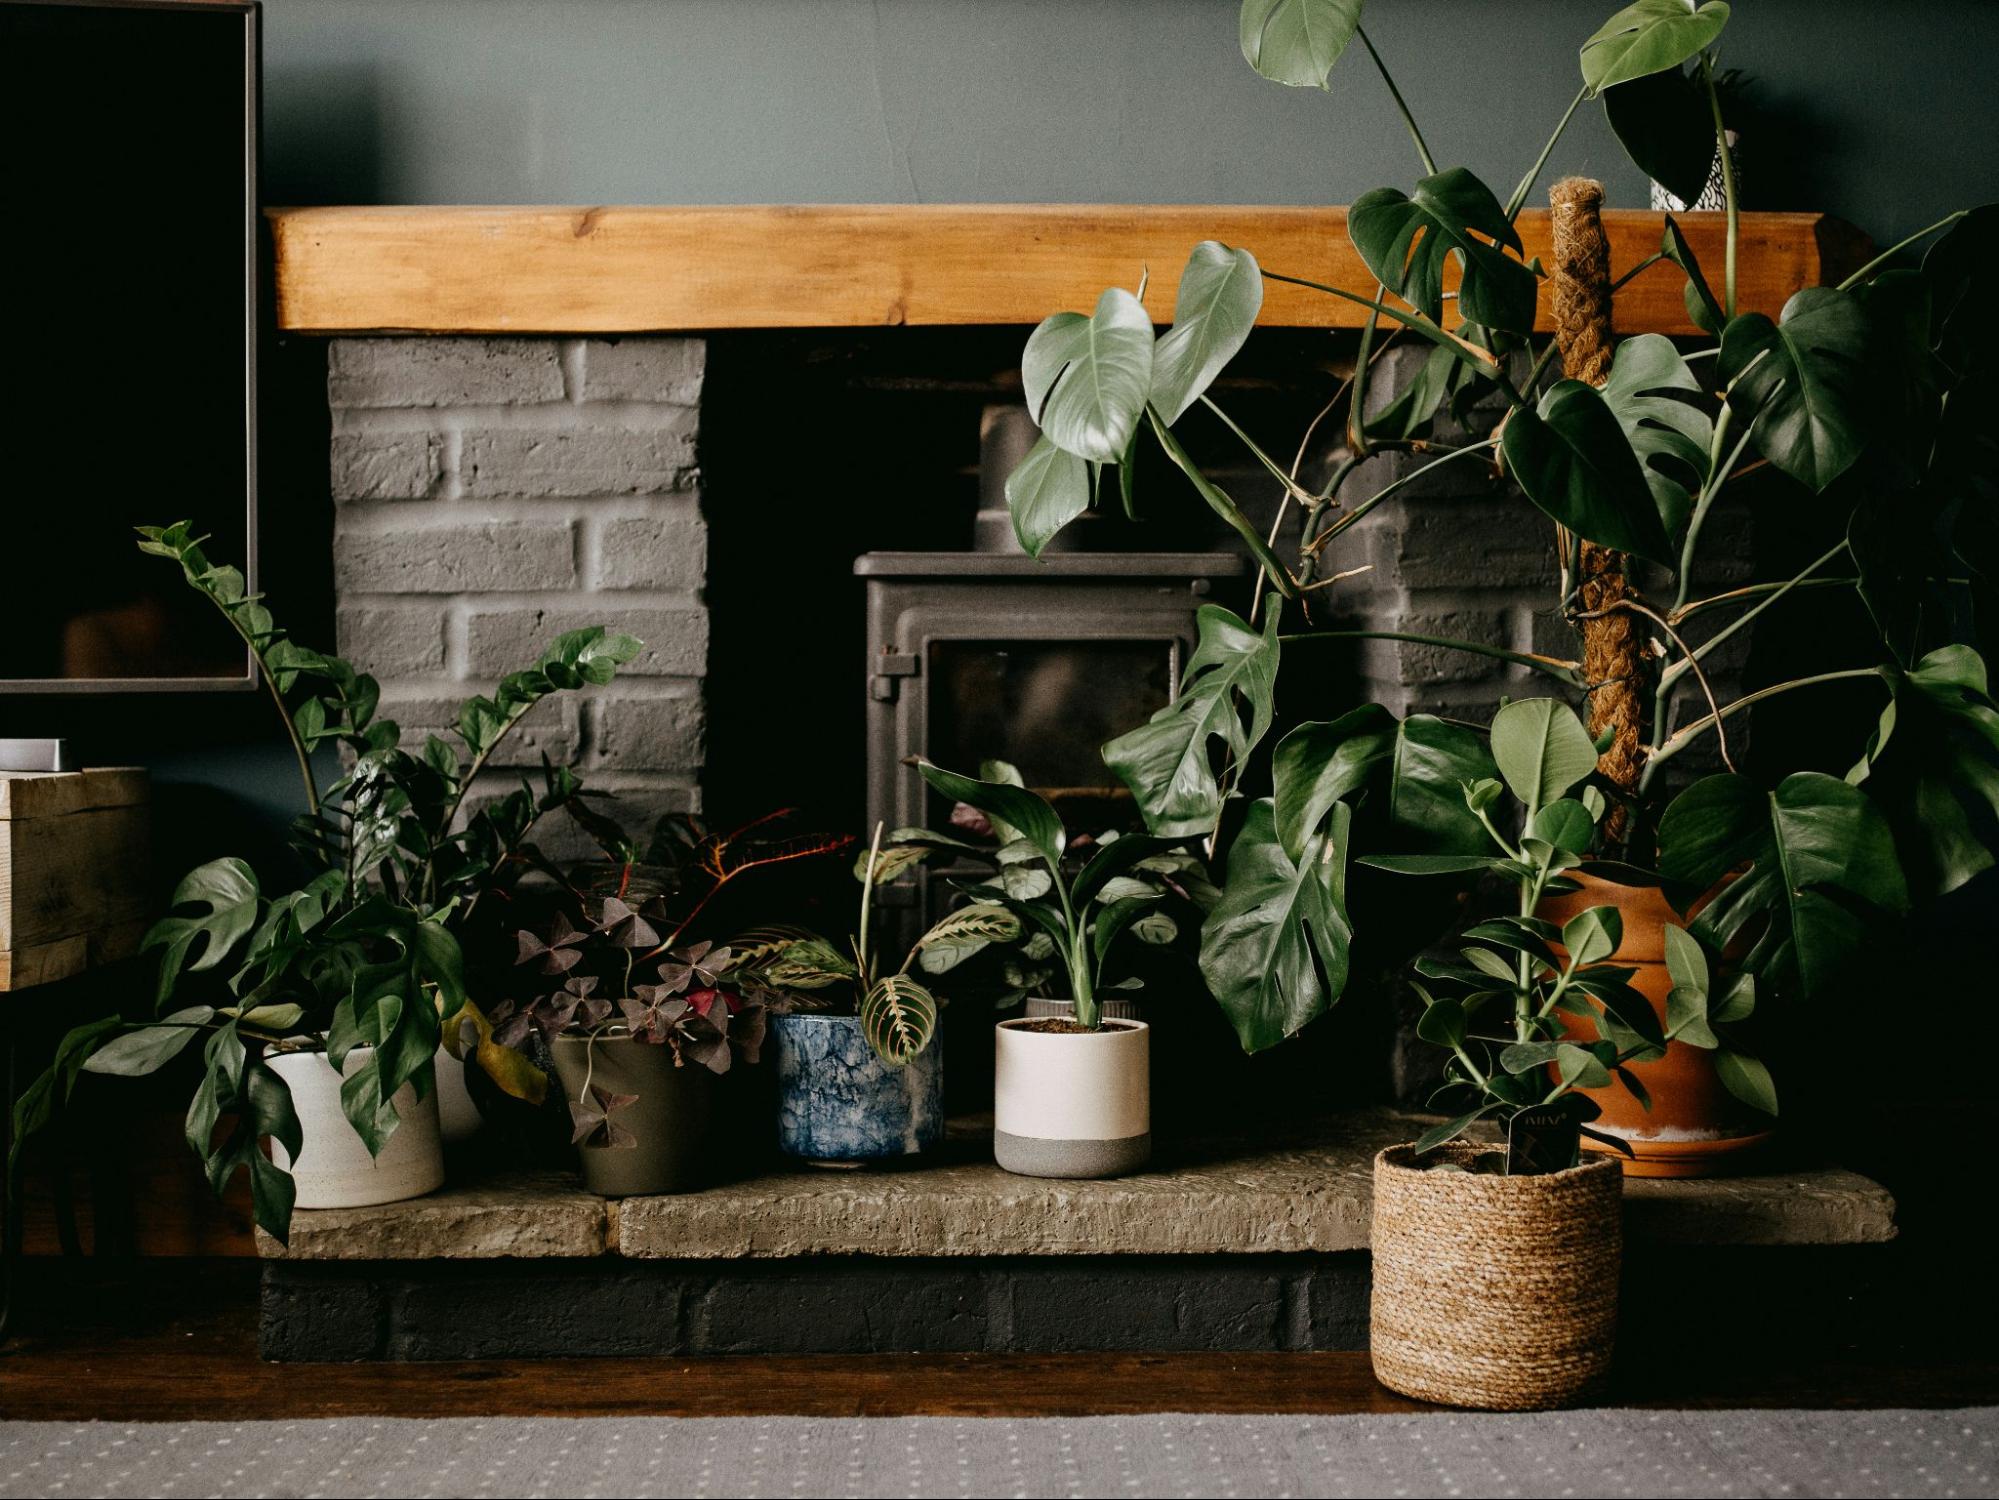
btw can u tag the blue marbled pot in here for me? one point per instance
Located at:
(838, 1102)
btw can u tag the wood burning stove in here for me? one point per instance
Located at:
(980, 655)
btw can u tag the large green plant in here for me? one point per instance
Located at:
(364, 952)
(1873, 396)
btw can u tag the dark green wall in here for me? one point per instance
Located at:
(1878, 113)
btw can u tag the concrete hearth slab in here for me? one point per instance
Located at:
(1303, 1191)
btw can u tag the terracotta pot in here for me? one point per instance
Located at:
(1075, 1104)
(1695, 1128)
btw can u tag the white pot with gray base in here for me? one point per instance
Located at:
(334, 1169)
(1072, 1104)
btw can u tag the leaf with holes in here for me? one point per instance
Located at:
(1406, 239)
(1412, 769)
(1803, 382)
(1166, 761)
(1651, 392)
(1569, 453)
(226, 895)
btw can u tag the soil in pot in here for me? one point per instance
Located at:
(1069, 1102)
(1492, 1291)
(1695, 1127)
(668, 1120)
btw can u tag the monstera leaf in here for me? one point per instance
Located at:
(1804, 381)
(225, 891)
(1820, 870)
(1649, 37)
(1412, 769)
(1934, 759)
(1703, 308)
(1046, 491)
(1648, 393)
(1221, 292)
(1570, 455)
(1297, 41)
(1166, 761)
(1274, 950)
(1087, 379)
(1406, 239)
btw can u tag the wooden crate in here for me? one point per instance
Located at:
(74, 849)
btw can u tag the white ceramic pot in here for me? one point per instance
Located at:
(334, 1169)
(1072, 1104)
(457, 1116)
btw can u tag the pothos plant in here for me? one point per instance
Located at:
(362, 955)
(1872, 396)
(1071, 903)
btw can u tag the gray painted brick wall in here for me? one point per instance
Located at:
(492, 493)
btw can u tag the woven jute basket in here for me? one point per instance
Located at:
(1492, 1291)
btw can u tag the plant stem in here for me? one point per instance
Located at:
(1415, 134)
(1291, 486)
(1715, 479)
(1565, 672)
(1897, 248)
(1644, 265)
(1218, 501)
(867, 892)
(1464, 349)
(1751, 591)
(1673, 673)
(1519, 198)
(1727, 176)
(1686, 736)
(1388, 489)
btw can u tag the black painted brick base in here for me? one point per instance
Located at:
(1799, 1299)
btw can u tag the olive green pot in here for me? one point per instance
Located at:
(669, 1118)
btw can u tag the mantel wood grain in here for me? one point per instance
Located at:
(633, 270)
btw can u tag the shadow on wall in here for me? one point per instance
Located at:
(329, 119)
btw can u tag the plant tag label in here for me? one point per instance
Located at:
(1544, 1139)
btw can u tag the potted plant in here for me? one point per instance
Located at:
(860, 1073)
(639, 1017)
(1862, 398)
(1071, 1094)
(321, 1009)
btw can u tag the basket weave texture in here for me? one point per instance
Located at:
(1490, 1291)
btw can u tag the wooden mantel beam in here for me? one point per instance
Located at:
(632, 270)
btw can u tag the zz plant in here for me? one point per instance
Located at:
(363, 953)
(1872, 398)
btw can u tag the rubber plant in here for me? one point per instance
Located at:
(1872, 396)
(364, 950)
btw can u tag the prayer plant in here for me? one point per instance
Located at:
(1874, 398)
(364, 951)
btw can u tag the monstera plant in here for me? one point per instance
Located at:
(1873, 397)
(363, 954)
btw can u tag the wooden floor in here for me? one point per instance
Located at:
(178, 1343)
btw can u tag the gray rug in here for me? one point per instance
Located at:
(1599, 1453)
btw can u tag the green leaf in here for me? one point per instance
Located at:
(1747, 1079)
(1651, 392)
(1737, 1002)
(1649, 37)
(1046, 491)
(898, 1017)
(1686, 961)
(1580, 1068)
(1413, 769)
(1593, 934)
(1434, 864)
(1933, 761)
(1541, 749)
(149, 1048)
(1221, 292)
(1015, 806)
(1570, 455)
(1450, 1130)
(811, 963)
(1804, 382)
(1166, 762)
(1103, 377)
(1296, 42)
(1489, 964)
(1131, 851)
(1822, 869)
(1274, 950)
(1667, 129)
(1566, 824)
(1703, 308)
(964, 932)
(1687, 1018)
(1442, 1023)
(1405, 240)
(228, 890)
(1522, 1057)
